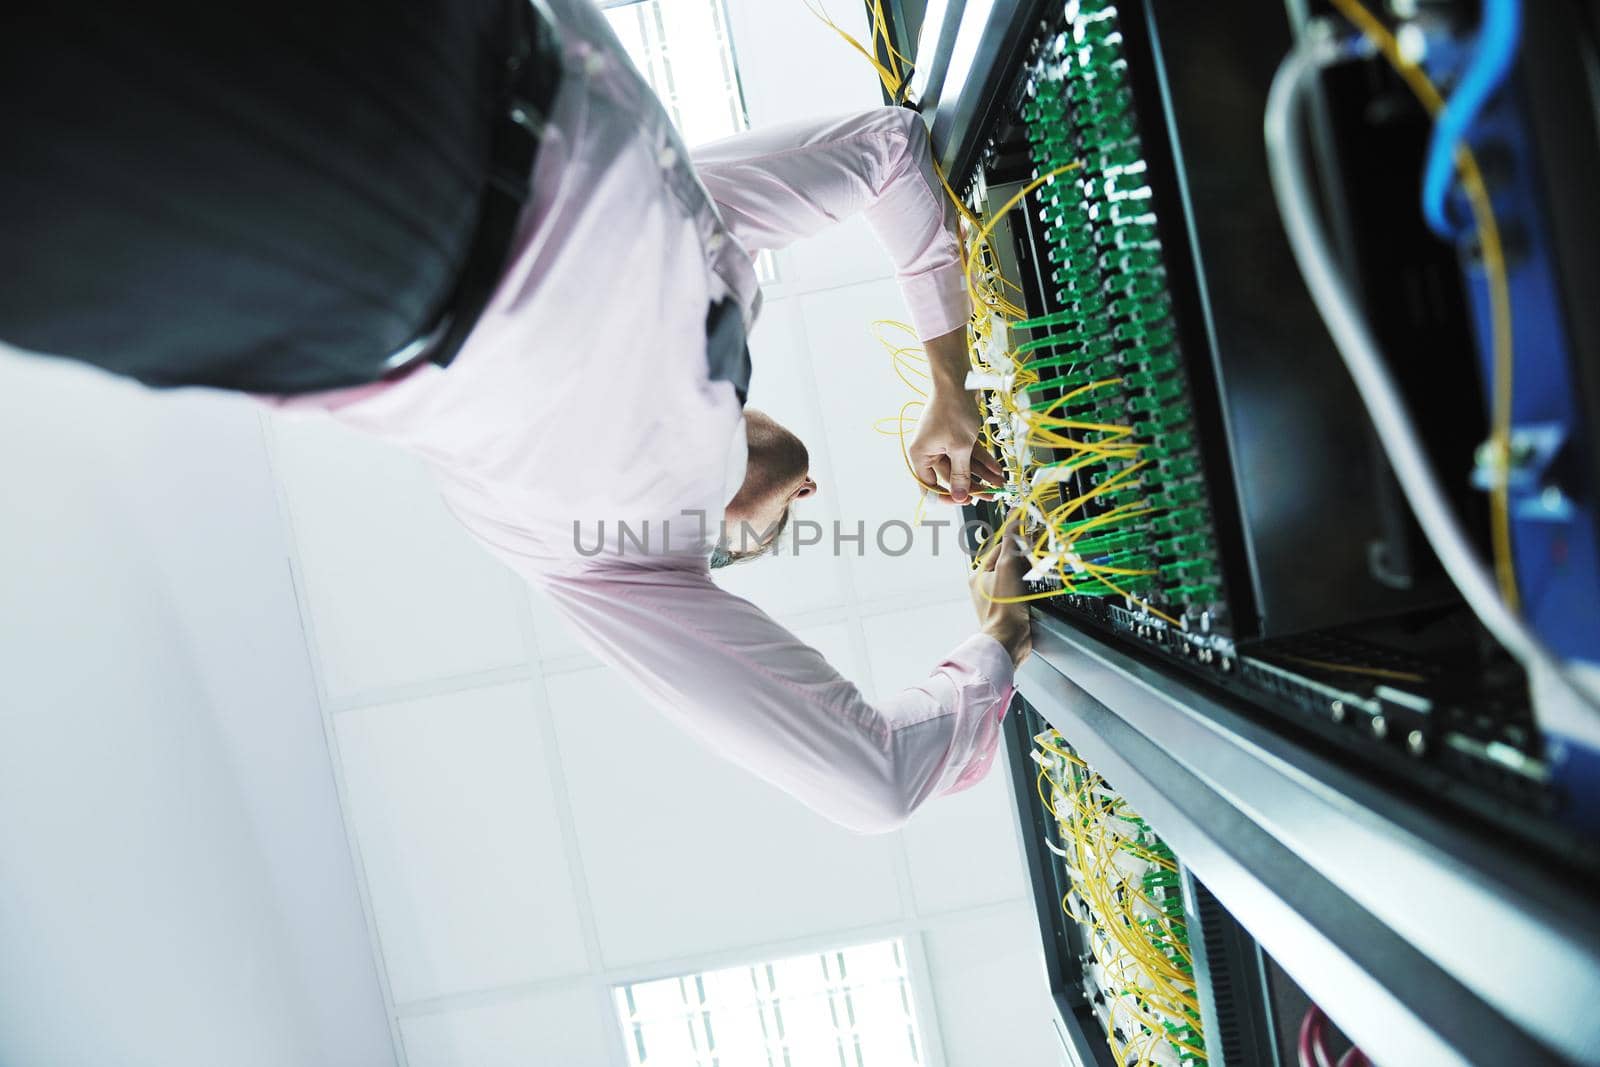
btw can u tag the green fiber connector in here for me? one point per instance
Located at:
(1098, 56)
(1066, 212)
(1044, 147)
(1180, 521)
(1180, 466)
(1145, 404)
(1065, 336)
(1066, 206)
(1048, 131)
(1157, 360)
(1160, 335)
(1113, 95)
(1130, 260)
(1140, 379)
(1105, 237)
(1184, 568)
(1107, 543)
(1174, 415)
(1053, 154)
(1123, 497)
(1133, 233)
(1062, 256)
(1200, 594)
(1123, 155)
(1101, 477)
(1151, 312)
(1046, 103)
(1187, 546)
(1169, 388)
(1142, 285)
(1071, 235)
(1096, 347)
(1056, 318)
(1113, 129)
(1091, 301)
(1063, 188)
(1126, 183)
(1175, 441)
(1140, 308)
(1092, 325)
(1118, 280)
(1070, 278)
(1188, 493)
(1082, 90)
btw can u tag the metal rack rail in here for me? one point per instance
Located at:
(1426, 942)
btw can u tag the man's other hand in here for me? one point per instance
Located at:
(998, 580)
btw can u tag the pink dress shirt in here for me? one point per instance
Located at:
(582, 400)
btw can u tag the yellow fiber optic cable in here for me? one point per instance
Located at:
(1370, 672)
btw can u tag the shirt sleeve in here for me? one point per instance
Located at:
(776, 185)
(756, 694)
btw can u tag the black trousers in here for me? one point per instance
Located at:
(270, 197)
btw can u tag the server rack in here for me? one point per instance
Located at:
(1440, 908)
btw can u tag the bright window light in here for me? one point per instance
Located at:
(849, 1007)
(683, 49)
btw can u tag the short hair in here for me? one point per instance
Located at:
(721, 556)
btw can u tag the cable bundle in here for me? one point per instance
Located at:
(1125, 894)
(1087, 409)
(1087, 404)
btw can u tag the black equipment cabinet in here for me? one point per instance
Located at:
(1342, 842)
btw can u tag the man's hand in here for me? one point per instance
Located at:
(1000, 579)
(945, 449)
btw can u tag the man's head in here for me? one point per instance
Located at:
(777, 473)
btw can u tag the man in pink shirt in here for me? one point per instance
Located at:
(626, 286)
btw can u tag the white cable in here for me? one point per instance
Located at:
(1288, 162)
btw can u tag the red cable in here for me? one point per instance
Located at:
(1312, 1050)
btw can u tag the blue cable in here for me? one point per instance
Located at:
(1491, 61)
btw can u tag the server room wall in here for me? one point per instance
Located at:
(441, 860)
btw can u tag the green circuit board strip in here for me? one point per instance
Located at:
(1112, 318)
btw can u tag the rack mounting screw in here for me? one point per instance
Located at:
(1338, 711)
(1416, 744)
(1380, 727)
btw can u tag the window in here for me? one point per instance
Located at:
(847, 1007)
(683, 49)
